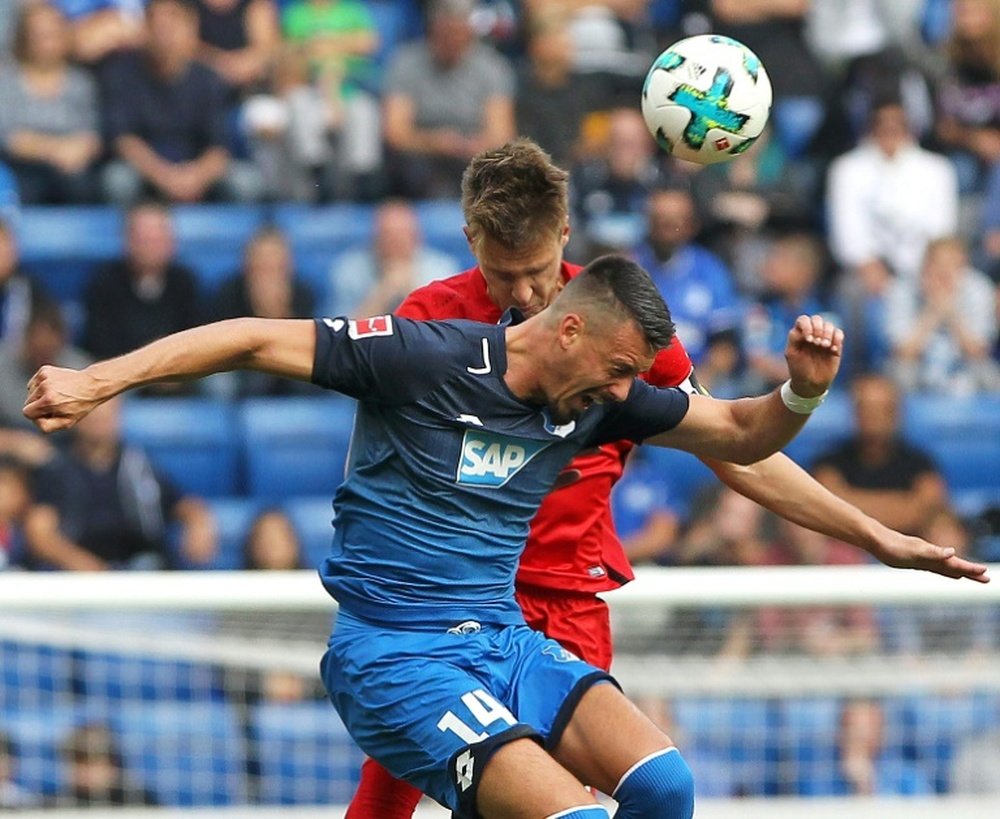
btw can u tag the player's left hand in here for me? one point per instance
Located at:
(813, 354)
(59, 397)
(907, 552)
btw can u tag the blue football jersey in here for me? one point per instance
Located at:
(447, 467)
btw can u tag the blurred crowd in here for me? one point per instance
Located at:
(874, 195)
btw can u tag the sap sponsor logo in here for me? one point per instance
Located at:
(374, 326)
(491, 460)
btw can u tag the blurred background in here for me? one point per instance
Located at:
(169, 162)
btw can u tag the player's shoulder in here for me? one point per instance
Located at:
(460, 296)
(671, 367)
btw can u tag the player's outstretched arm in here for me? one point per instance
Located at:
(58, 397)
(782, 486)
(750, 429)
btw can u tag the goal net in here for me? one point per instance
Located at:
(200, 690)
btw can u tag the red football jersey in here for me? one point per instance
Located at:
(573, 545)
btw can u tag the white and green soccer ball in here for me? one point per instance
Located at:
(706, 98)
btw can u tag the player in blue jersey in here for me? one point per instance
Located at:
(462, 428)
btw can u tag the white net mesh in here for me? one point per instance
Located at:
(201, 690)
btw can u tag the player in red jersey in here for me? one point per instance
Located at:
(516, 212)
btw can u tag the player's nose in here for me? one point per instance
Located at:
(521, 293)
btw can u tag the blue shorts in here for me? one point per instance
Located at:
(432, 705)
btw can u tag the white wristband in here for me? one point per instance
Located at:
(798, 404)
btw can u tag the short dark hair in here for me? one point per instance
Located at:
(616, 280)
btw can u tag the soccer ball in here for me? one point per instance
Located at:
(706, 98)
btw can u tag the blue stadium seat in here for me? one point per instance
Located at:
(33, 675)
(926, 415)
(306, 755)
(317, 234)
(967, 460)
(126, 677)
(188, 754)
(682, 474)
(233, 517)
(193, 441)
(296, 446)
(312, 518)
(739, 732)
(938, 723)
(441, 222)
(37, 733)
(60, 246)
(396, 21)
(211, 239)
(807, 731)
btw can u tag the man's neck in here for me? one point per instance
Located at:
(524, 366)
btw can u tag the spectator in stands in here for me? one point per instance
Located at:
(46, 341)
(943, 335)
(238, 39)
(167, 119)
(790, 274)
(335, 41)
(968, 123)
(103, 506)
(12, 796)
(374, 278)
(103, 29)
(886, 199)
(48, 113)
(551, 100)
(866, 766)
(266, 287)
(695, 283)
(144, 295)
(446, 98)
(96, 774)
(15, 498)
(608, 36)
(18, 293)
(272, 544)
(877, 470)
(612, 187)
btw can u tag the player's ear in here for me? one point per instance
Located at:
(564, 237)
(571, 327)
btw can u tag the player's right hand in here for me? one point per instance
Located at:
(58, 398)
(908, 552)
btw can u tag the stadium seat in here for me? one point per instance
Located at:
(967, 460)
(807, 731)
(37, 734)
(317, 234)
(441, 222)
(32, 675)
(295, 446)
(60, 246)
(120, 677)
(311, 518)
(211, 239)
(682, 474)
(396, 21)
(936, 724)
(305, 754)
(188, 754)
(193, 441)
(233, 517)
(738, 732)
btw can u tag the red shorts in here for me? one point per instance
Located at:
(577, 621)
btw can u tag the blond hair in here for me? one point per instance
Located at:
(515, 195)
